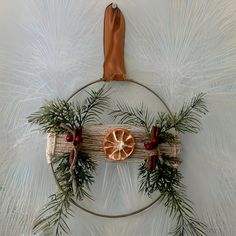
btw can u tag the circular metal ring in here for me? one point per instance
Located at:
(122, 81)
(133, 212)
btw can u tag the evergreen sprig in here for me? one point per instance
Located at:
(138, 116)
(54, 113)
(94, 105)
(55, 214)
(83, 174)
(58, 209)
(61, 116)
(187, 119)
(167, 180)
(159, 179)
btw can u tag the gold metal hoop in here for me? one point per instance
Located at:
(133, 212)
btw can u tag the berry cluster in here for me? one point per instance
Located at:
(77, 139)
(151, 145)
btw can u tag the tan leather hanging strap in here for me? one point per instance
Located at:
(114, 41)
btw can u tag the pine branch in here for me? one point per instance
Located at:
(94, 105)
(133, 115)
(54, 113)
(179, 208)
(83, 172)
(55, 214)
(168, 181)
(187, 120)
(84, 175)
(58, 209)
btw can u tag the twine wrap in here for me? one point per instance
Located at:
(92, 144)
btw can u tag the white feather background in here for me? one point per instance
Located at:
(50, 48)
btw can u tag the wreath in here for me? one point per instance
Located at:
(75, 170)
(73, 165)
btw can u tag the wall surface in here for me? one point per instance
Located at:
(50, 48)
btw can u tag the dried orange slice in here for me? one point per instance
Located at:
(118, 144)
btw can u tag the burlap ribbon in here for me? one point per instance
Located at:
(114, 41)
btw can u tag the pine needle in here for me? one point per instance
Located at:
(167, 180)
(54, 113)
(55, 214)
(187, 120)
(58, 209)
(138, 116)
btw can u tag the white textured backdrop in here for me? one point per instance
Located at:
(49, 48)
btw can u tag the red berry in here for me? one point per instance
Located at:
(148, 146)
(155, 142)
(78, 139)
(69, 138)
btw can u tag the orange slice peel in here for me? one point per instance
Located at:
(118, 144)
